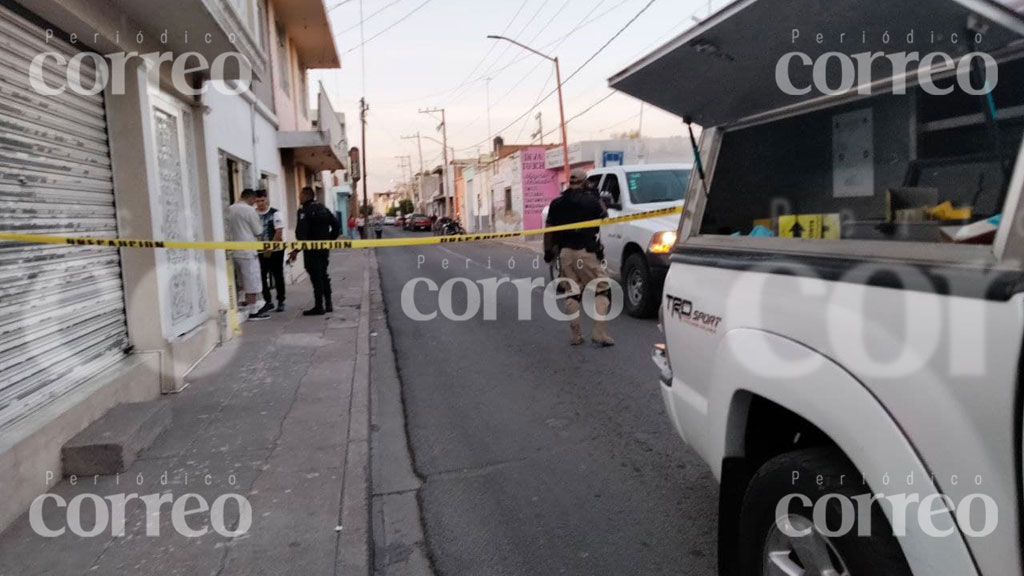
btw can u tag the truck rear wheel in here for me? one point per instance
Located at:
(640, 292)
(792, 544)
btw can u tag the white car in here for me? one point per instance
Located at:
(844, 312)
(638, 252)
(389, 220)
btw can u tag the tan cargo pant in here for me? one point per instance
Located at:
(583, 268)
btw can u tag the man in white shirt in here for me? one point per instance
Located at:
(243, 224)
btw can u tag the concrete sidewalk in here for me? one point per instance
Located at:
(533, 244)
(280, 417)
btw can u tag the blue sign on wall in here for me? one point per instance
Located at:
(613, 159)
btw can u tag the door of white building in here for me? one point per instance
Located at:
(176, 216)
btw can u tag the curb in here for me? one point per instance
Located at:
(354, 556)
(527, 246)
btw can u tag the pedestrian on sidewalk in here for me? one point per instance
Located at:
(361, 225)
(378, 227)
(316, 223)
(580, 254)
(243, 224)
(352, 227)
(271, 261)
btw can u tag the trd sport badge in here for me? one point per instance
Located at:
(684, 310)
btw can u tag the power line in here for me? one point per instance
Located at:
(388, 29)
(591, 107)
(469, 77)
(487, 72)
(573, 75)
(555, 44)
(368, 18)
(539, 94)
(530, 41)
(585, 111)
(338, 5)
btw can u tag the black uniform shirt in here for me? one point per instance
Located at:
(316, 222)
(571, 207)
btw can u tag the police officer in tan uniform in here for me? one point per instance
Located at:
(580, 254)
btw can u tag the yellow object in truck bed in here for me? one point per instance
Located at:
(945, 211)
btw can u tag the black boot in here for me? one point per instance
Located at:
(318, 306)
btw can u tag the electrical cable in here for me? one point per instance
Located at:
(389, 27)
(555, 44)
(469, 77)
(572, 75)
(368, 18)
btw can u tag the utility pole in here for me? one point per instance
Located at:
(419, 179)
(561, 102)
(419, 143)
(444, 146)
(540, 128)
(363, 109)
(405, 163)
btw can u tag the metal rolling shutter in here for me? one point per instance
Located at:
(61, 308)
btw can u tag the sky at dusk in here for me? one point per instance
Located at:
(435, 53)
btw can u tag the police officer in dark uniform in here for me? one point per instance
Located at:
(316, 223)
(580, 254)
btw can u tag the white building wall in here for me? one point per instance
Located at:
(478, 202)
(231, 125)
(508, 217)
(268, 162)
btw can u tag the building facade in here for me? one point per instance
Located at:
(592, 154)
(144, 157)
(521, 188)
(478, 212)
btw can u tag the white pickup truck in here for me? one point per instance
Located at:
(637, 252)
(844, 311)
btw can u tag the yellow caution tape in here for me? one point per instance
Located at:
(233, 323)
(327, 244)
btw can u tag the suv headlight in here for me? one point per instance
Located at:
(662, 242)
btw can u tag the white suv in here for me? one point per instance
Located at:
(844, 311)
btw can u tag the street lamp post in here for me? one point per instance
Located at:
(561, 103)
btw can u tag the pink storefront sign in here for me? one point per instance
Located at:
(540, 187)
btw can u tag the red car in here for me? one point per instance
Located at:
(420, 222)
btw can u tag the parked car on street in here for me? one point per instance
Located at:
(389, 220)
(418, 223)
(399, 221)
(843, 315)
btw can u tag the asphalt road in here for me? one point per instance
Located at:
(537, 457)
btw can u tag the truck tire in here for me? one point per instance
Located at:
(766, 549)
(641, 295)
